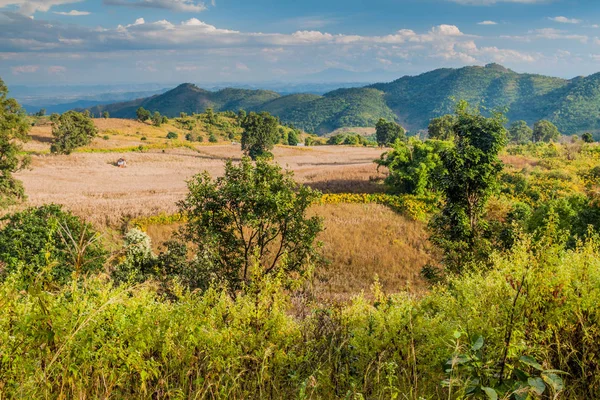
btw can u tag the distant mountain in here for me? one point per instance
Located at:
(573, 105)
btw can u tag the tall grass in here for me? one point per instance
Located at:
(93, 340)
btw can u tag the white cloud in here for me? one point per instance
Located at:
(72, 13)
(487, 23)
(25, 69)
(56, 69)
(241, 66)
(29, 7)
(173, 5)
(565, 20)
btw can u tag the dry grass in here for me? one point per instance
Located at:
(91, 186)
(360, 242)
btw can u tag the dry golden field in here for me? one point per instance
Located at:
(360, 241)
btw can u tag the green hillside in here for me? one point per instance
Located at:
(573, 105)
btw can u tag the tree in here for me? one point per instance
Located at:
(472, 168)
(412, 166)
(253, 215)
(142, 114)
(71, 130)
(442, 128)
(520, 133)
(156, 119)
(545, 131)
(388, 132)
(105, 115)
(587, 137)
(260, 134)
(293, 138)
(14, 128)
(40, 113)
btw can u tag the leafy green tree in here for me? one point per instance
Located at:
(40, 113)
(388, 132)
(293, 138)
(412, 166)
(587, 137)
(142, 114)
(71, 130)
(260, 134)
(50, 239)
(520, 133)
(253, 215)
(156, 119)
(472, 176)
(442, 128)
(545, 131)
(14, 128)
(105, 115)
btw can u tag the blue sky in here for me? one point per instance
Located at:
(173, 41)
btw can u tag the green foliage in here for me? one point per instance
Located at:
(14, 128)
(545, 131)
(172, 135)
(105, 114)
(131, 341)
(472, 170)
(293, 138)
(142, 114)
(413, 166)
(253, 214)
(520, 133)
(40, 113)
(260, 134)
(51, 242)
(157, 119)
(442, 128)
(388, 132)
(212, 138)
(71, 130)
(587, 137)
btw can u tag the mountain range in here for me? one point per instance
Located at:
(573, 105)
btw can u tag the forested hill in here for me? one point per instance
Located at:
(573, 105)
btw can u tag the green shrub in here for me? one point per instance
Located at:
(106, 137)
(213, 138)
(143, 138)
(50, 239)
(172, 135)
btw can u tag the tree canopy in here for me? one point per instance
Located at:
(71, 130)
(388, 132)
(442, 128)
(545, 131)
(14, 128)
(251, 215)
(520, 133)
(260, 134)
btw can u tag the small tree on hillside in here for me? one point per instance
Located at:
(442, 128)
(293, 138)
(545, 131)
(156, 119)
(260, 134)
(472, 169)
(252, 215)
(520, 133)
(143, 114)
(388, 132)
(14, 128)
(105, 115)
(587, 137)
(71, 130)
(40, 113)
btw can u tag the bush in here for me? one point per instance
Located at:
(50, 239)
(172, 135)
(143, 138)
(213, 138)
(71, 130)
(106, 137)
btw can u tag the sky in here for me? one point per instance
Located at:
(251, 41)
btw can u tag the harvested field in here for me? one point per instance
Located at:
(88, 183)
